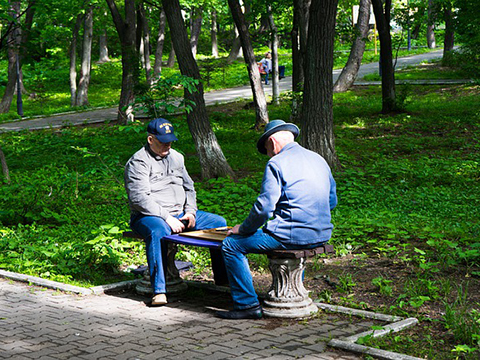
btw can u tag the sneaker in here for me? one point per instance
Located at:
(159, 299)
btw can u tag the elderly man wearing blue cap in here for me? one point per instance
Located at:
(298, 192)
(162, 199)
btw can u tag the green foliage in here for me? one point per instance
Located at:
(463, 322)
(165, 96)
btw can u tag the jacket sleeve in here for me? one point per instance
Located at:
(265, 204)
(333, 192)
(137, 184)
(190, 194)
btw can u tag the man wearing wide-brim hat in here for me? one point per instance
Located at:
(298, 192)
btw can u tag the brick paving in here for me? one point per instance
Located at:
(39, 323)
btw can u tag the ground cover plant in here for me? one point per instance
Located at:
(406, 228)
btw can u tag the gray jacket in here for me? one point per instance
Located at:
(159, 186)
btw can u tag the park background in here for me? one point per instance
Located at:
(407, 224)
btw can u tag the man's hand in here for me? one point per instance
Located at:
(234, 230)
(190, 218)
(175, 224)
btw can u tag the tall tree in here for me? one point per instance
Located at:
(212, 160)
(196, 27)
(382, 18)
(448, 41)
(157, 67)
(301, 12)
(13, 49)
(144, 32)
(317, 111)
(84, 81)
(73, 60)
(254, 75)
(350, 71)
(430, 25)
(236, 49)
(274, 40)
(103, 47)
(213, 34)
(130, 57)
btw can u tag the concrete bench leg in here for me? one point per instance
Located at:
(175, 283)
(287, 297)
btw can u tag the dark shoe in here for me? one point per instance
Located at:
(282, 77)
(251, 313)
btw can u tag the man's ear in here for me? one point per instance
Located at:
(150, 139)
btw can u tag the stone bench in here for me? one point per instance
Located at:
(287, 297)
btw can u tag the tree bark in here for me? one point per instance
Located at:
(317, 112)
(73, 61)
(103, 48)
(212, 161)
(382, 19)
(253, 73)
(171, 57)
(274, 37)
(130, 60)
(84, 81)
(430, 27)
(146, 44)
(214, 35)
(196, 29)
(301, 9)
(236, 48)
(448, 42)
(3, 161)
(350, 71)
(157, 67)
(13, 46)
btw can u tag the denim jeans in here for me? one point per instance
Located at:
(235, 248)
(281, 74)
(153, 229)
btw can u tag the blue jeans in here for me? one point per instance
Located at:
(235, 248)
(281, 74)
(153, 229)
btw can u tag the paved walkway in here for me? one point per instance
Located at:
(38, 323)
(211, 98)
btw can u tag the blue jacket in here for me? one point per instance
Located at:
(298, 192)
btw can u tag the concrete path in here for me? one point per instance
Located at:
(211, 98)
(38, 323)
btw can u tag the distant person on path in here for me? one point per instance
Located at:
(266, 63)
(298, 192)
(161, 195)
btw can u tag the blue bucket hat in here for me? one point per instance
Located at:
(162, 129)
(273, 127)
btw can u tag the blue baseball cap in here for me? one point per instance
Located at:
(162, 129)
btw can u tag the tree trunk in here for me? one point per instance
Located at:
(84, 81)
(301, 9)
(102, 44)
(253, 73)
(214, 35)
(73, 61)
(26, 28)
(171, 57)
(274, 37)
(3, 161)
(317, 112)
(157, 67)
(430, 27)
(130, 60)
(449, 30)
(350, 71)
(13, 44)
(382, 19)
(236, 48)
(212, 160)
(196, 28)
(146, 45)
